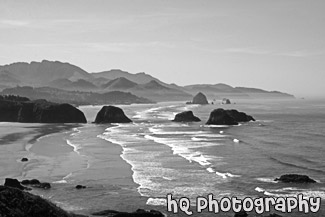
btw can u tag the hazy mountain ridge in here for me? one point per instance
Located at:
(75, 97)
(69, 77)
(41, 73)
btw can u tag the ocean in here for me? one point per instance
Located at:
(135, 165)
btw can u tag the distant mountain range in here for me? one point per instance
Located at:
(67, 77)
(75, 97)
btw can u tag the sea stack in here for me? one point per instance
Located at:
(225, 101)
(111, 114)
(186, 116)
(200, 98)
(228, 117)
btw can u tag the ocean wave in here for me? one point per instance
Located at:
(156, 201)
(291, 192)
(75, 147)
(226, 175)
(269, 180)
(157, 131)
(215, 126)
(150, 168)
(199, 139)
(60, 181)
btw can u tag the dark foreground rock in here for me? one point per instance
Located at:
(295, 178)
(244, 214)
(13, 183)
(111, 114)
(200, 98)
(39, 111)
(17, 203)
(228, 117)
(241, 214)
(186, 116)
(138, 213)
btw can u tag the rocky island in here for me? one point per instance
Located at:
(228, 117)
(111, 114)
(186, 116)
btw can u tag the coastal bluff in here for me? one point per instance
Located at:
(111, 114)
(228, 117)
(21, 109)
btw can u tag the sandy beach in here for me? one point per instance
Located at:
(55, 156)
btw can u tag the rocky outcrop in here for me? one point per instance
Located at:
(39, 111)
(186, 116)
(225, 101)
(138, 213)
(228, 117)
(17, 203)
(239, 116)
(294, 178)
(13, 183)
(111, 114)
(36, 183)
(200, 98)
(80, 187)
(24, 159)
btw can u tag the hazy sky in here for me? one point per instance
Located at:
(270, 44)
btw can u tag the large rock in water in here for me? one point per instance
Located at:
(295, 178)
(111, 114)
(17, 203)
(228, 117)
(200, 98)
(186, 116)
(39, 111)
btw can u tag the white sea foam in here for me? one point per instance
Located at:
(76, 147)
(292, 192)
(270, 180)
(162, 132)
(199, 139)
(156, 201)
(258, 189)
(76, 131)
(215, 126)
(210, 170)
(146, 162)
(226, 175)
(60, 181)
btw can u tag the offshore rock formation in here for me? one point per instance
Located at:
(186, 116)
(39, 111)
(111, 114)
(200, 98)
(225, 101)
(295, 178)
(228, 117)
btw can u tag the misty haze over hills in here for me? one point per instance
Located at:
(66, 79)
